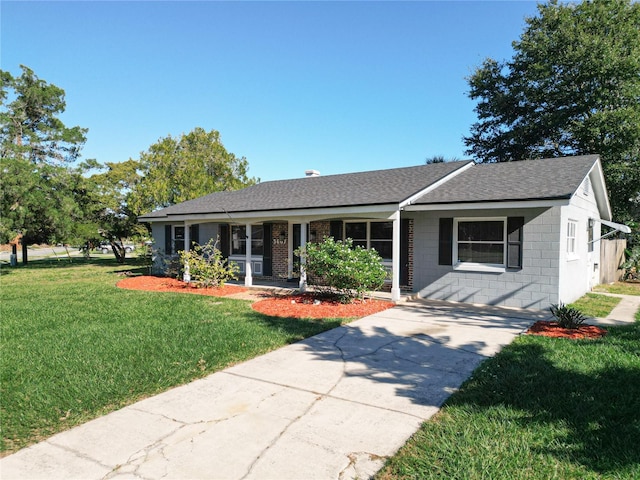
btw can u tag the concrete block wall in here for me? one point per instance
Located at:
(535, 286)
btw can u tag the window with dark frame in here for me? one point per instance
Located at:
(239, 240)
(374, 235)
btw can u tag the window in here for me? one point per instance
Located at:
(357, 232)
(382, 238)
(239, 240)
(178, 239)
(375, 235)
(571, 237)
(481, 244)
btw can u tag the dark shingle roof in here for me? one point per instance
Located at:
(353, 189)
(550, 178)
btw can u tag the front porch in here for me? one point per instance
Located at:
(264, 251)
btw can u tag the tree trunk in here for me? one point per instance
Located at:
(24, 253)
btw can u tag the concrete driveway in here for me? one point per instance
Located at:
(334, 406)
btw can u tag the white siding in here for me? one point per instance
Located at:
(581, 271)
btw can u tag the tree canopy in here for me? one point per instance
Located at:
(571, 88)
(174, 170)
(38, 192)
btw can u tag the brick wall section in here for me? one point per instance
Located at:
(280, 251)
(322, 230)
(410, 254)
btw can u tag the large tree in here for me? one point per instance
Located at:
(110, 205)
(571, 88)
(36, 148)
(177, 169)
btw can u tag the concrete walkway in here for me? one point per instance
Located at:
(624, 313)
(334, 406)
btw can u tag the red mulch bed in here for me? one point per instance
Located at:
(303, 306)
(165, 284)
(552, 329)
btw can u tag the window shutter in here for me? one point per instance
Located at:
(335, 229)
(194, 234)
(514, 242)
(267, 256)
(167, 240)
(224, 239)
(445, 244)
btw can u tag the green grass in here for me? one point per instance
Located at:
(74, 346)
(542, 408)
(594, 305)
(621, 288)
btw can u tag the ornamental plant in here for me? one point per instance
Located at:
(568, 317)
(339, 268)
(207, 266)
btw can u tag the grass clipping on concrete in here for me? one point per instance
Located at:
(74, 346)
(542, 408)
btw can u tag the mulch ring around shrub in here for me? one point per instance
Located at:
(166, 284)
(311, 306)
(552, 329)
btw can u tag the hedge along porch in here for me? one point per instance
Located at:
(523, 234)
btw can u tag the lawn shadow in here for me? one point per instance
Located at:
(596, 415)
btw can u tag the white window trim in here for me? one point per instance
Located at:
(480, 267)
(572, 241)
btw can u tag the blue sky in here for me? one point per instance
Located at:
(333, 86)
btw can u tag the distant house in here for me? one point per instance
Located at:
(521, 234)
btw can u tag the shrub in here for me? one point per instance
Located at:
(631, 264)
(207, 266)
(568, 317)
(344, 270)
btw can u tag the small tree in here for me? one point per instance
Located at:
(343, 270)
(207, 266)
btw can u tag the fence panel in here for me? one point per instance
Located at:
(611, 256)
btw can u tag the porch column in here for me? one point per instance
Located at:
(186, 275)
(395, 259)
(303, 261)
(248, 279)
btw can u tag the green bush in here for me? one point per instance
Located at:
(342, 269)
(207, 266)
(631, 264)
(568, 317)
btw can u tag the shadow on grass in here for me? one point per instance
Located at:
(132, 265)
(594, 410)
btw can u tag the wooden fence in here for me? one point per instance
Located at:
(611, 257)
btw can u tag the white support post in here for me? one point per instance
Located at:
(248, 278)
(395, 259)
(303, 261)
(186, 274)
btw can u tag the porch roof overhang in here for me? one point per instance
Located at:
(383, 211)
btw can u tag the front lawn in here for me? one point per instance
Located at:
(75, 347)
(621, 288)
(542, 408)
(594, 305)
